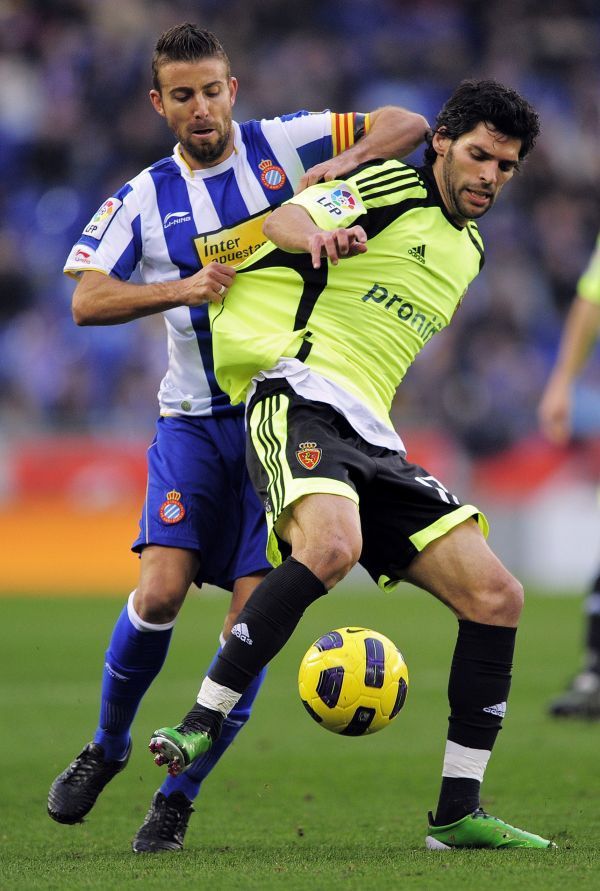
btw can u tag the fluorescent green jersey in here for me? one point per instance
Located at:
(588, 285)
(361, 323)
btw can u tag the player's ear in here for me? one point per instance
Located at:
(233, 88)
(156, 100)
(440, 141)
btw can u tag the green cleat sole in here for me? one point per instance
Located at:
(177, 749)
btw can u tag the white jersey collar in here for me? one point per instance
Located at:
(188, 173)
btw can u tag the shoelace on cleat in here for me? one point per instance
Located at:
(83, 766)
(165, 819)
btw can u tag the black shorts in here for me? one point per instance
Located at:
(297, 447)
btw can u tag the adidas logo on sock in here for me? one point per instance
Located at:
(418, 253)
(242, 633)
(499, 709)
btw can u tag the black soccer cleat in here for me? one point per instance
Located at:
(165, 824)
(580, 700)
(73, 794)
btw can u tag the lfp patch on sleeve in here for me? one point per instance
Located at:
(99, 223)
(340, 203)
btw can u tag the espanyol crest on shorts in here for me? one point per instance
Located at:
(272, 175)
(308, 455)
(172, 510)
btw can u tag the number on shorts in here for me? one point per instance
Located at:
(432, 483)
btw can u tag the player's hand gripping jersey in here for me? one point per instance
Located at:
(361, 323)
(171, 220)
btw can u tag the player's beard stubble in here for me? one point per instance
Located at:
(208, 153)
(459, 208)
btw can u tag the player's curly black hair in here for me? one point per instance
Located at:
(186, 43)
(474, 101)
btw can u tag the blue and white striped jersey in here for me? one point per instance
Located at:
(171, 220)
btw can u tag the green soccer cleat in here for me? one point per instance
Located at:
(480, 830)
(178, 746)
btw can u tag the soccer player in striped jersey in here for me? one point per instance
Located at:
(318, 349)
(580, 333)
(186, 222)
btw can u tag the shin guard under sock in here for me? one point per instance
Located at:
(135, 655)
(266, 623)
(477, 692)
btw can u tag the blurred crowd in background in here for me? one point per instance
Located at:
(76, 123)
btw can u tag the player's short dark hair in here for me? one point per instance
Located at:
(475, 101)
(186, 43)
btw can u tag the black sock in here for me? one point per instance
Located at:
(593, 629)
(477, 692)
(201, 718)
(459, 796)
(266, 623)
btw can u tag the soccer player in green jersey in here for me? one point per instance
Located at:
(316, 334)
(580, 333)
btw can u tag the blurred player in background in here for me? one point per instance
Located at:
(580, 333)
(186, 222)
(318, 349)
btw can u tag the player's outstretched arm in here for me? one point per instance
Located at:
(291, 228)
(394, 133)
(100, 299)
(579, 335)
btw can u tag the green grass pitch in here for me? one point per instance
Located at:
(292, 806)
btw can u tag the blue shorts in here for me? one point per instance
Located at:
(200, 497)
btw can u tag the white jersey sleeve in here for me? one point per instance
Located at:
(111, 242)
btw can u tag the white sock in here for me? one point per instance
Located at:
(141, 624)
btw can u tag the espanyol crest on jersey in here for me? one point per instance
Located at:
(272, 175)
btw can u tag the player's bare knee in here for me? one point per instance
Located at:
(332, 558)
(158, 604)
(501, 602)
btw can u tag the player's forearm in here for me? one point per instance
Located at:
(291, 228)
(101, 300)
(394, 133)
(579, 335)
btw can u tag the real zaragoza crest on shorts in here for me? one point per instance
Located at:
(308, 455)
(172, 510)
(272, 175)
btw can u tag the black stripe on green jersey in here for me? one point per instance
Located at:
(475, 238)
(407, 173)
(315, 282)
(370, 195)
(391, 176)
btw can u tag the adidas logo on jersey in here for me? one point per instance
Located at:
(241, 632)
(418, 253)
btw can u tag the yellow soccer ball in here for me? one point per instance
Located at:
(353, 681)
